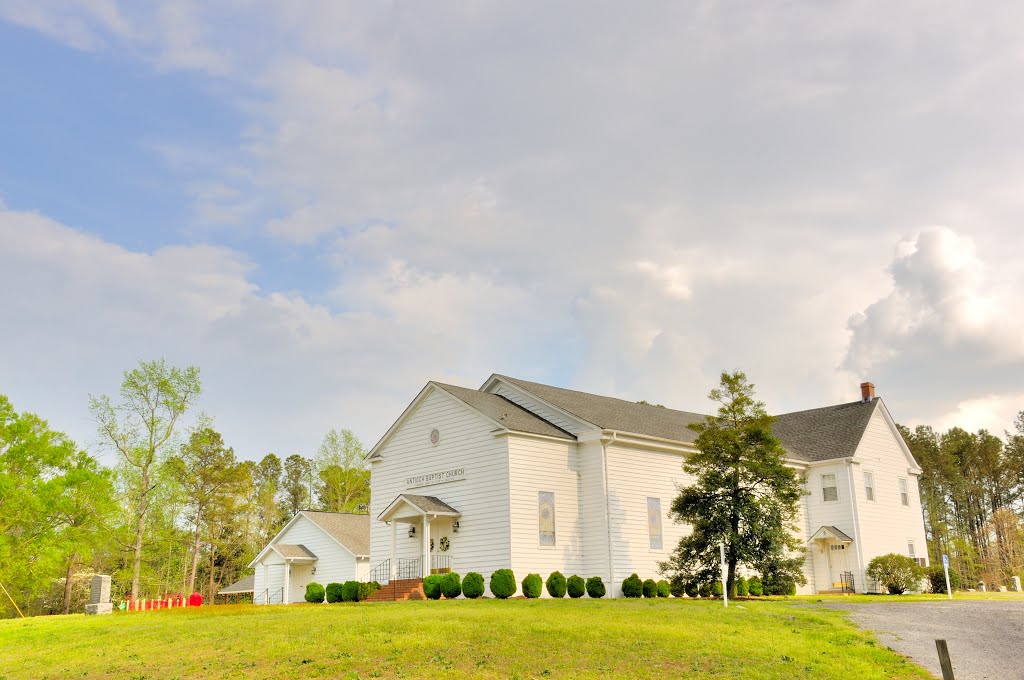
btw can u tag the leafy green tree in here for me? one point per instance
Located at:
(744, 495)
(344, 478)
(206, 470)
(296, 484)
(154, 397)
(898, 573)
(52, 500)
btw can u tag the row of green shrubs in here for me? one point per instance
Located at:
(503, 585)
(349, 591)
(635, 587)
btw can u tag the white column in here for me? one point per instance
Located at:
(394, 538)
(266, 582)
(426, 546)
(287, 583)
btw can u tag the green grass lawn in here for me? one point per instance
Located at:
(481, 638)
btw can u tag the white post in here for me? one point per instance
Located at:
(266, 582)
(725, 577)
(426, 546)
(287, 583)
(945, 568)
(394, 529)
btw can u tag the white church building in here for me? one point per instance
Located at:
(537, 478)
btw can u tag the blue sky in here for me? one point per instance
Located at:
(325, 204)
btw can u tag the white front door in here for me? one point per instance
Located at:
(837, 561)
(302, 576)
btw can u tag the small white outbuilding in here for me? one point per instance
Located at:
(325, 547)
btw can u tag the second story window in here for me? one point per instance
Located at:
(829, 490)
(904, 495)
(869, 486)
(654, 523)
(546, 517)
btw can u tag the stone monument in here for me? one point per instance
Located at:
(1016, 584)
(981, 586)
(99, 596)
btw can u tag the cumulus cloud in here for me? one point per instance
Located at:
(621, 199)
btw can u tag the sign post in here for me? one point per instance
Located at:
(945, 568)
(725, 589)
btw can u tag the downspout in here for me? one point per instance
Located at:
(856, 527)
(608, 514)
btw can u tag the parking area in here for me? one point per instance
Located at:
(985, 637)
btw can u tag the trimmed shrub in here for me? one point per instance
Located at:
(663, 588)
(575, 586)
(754, 587)
(350, 591)
(503, 584)
(595, 587)
(432, 586)
(937, 579)
(649, 588)
(898, 573)
(704, 590)
(777, 584)
(451, 585)
(741, 586)
(556, 584)
(473, 585)
(692, 589)
(314, 592)
(633, 586)
(367, 589)
(716, 589)
(333, 591)
(532, 585)
(677, 587)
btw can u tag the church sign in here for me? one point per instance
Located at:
(453, 475)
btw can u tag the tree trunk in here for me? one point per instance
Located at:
(140, 528)
(195, 554)
(213, 553)
(67, 583)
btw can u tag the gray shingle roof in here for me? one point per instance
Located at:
(352, 531)
(246, 584)
(609, 413)
(429, 503)
(814, 435)
(824, 433)
(292, 550)
(502, 410)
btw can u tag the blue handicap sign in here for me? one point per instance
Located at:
(945, 561)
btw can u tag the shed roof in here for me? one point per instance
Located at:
(246, 584)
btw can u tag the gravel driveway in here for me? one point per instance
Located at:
(985, 637)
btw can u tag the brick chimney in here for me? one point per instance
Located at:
(867, 391)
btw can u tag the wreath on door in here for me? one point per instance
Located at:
(445, 544)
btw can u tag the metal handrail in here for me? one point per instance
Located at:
(408, 567)
(262, 598)
(381, 573)
(279, 596)
(847, 579)
(440, 563)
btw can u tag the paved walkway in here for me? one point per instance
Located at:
(985, 637)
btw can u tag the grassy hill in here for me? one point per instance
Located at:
(482, 638)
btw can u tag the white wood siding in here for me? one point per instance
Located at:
(633, 476)
(482, 543)
(838, 513)
(887, 524)
(334, 564)
(534, 466)
(538, 408)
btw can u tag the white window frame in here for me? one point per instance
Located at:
(834, 486)
(904, 492)
(911, 549)
(869, 486)
(655, 541)
(554, 526)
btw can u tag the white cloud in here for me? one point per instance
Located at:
(624, 199)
